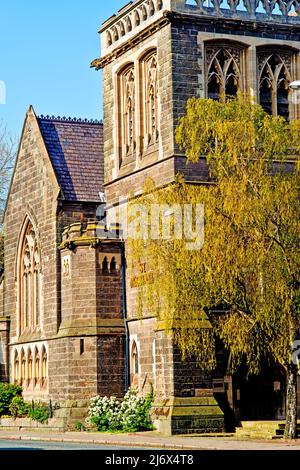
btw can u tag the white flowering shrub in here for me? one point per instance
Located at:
(132, 414)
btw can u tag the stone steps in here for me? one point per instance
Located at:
(258, 429)
(280, 430)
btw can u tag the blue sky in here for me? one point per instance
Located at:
(45, 51)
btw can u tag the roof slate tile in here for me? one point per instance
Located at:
(76, 151)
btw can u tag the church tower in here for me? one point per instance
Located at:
(155, 55)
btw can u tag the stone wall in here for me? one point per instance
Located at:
(88, 358)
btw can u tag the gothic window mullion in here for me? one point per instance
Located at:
(223, 71)
(274, 78)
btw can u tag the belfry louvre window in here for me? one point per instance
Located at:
(29, 280)
(127, 113)
(150, 99)
(275, 74)
(224, 74)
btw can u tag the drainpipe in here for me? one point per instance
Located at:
(124, 304)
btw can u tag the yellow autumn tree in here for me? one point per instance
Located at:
(248, 267)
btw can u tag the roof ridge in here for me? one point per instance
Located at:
(69, 119)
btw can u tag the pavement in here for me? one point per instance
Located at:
(152, 440)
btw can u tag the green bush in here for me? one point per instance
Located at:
(79, 426)
(39, 412)
(18, 408)
(7, 393)
(132, 414)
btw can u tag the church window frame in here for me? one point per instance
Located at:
(225, 69)
(126, 90)
(44, 374)
(37, 367)
(149, 87)
(29, 279)
(274, 76)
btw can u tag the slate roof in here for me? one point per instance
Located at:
(75, 148)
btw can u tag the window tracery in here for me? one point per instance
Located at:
(29, 282)
(275, 74)
(224, 76)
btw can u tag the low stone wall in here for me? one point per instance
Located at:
(66, 415)
(27, 424)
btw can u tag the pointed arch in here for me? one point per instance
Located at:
(29, 371)
(109, 40)
(113, 265)
(115, 33)
(44, 374)
(150, 100)
(126, 112)
(22, 367)
(151, 8)
(137, 19)
(159, 4)
(28, 278)
(224, 75)
(37, 366)
(122, 28)
(144, 12)
(128, 24)
(105, 265)
(134, 364)
(274, 78)
(16, 368)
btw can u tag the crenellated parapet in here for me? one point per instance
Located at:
(138, 16)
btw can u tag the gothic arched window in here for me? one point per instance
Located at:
(274, 78)
(36, 366)
(29, 367)
(44, 368)
(29, 280)
(223, 71)
(127, 108)
(23, 368)
(150, 99)
(16, 368)
(134, 364)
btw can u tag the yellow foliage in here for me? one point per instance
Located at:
(246, 278)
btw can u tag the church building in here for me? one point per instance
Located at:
(69, 325)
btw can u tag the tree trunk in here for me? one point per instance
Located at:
(290, 431)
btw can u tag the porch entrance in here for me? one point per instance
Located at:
(262, 396)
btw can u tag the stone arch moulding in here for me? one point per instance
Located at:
(28, 369)
(29, 217)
